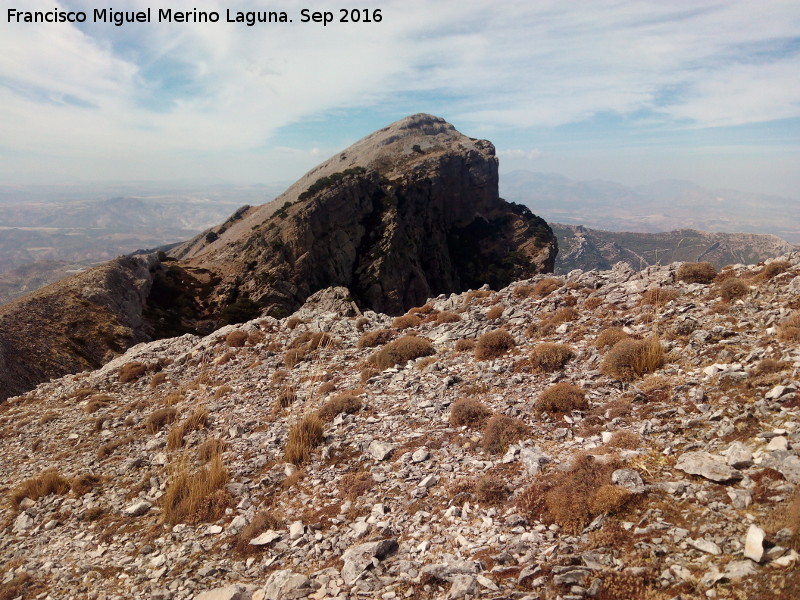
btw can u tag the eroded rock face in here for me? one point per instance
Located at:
(407, 213)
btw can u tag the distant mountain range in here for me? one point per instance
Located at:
(656, 207)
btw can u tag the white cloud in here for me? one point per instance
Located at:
(528, 155)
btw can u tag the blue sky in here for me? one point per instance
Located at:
(634, 91)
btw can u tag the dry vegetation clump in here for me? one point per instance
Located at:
(326, 388)
(16, 587)
(491, 490)
(355, 485)
(97, 402)
(406, 322)
(157, 379)
(786, 515)
(156, 420)
(197, 420)
(222, 391)
(447, 316)
(547, 357)
(304, 436)
(400, 351)
(592, 302)
(173, 398)
(733, 289)
(630, 358)
(262, 521)
(379, 337)
(562, 398)
(696, 272)
(495, 312)
(768, 366)
(319, 339)
(362, 323)
(48, 417)
(425, 309)
(575, 497)
(236, 339)
(472, 294)
(546, 286)
(548, 324)
(286, 397)
(624, 439)
(341, 403)
(83, 484)
(789, 330)
(773, 269)
(465, 345)
(293, 357)
(493, 344)
(131, 371)
(608, 338)
(190, 494)
(659, 296)
(210, 448)
(293, 322)
(523, 291)
(367, 374)
(47, 482)
(502, 431)
(470, 412)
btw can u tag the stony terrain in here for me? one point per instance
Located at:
(584, 248)
(616, 435)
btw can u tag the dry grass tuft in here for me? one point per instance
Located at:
(263, 521)
(493, 344)
(447, 317)
(562, 398)
(341, 403)
(173, 398)
(546, 286)
(286, 397)
(523, 291)
(659, 296)
(425, 309)
(733, 289)
(197, 420)
(190, 495)
(575, 497)
(131, 372)
(355, 485)
(211, 448)
(157, 379)
(47, 482)
(406, 322)
(236, 339)
(789, 330)
(48, 417)
(625, 440)
(470, 412)
(773, 269)
(608, 338)
(378, 337)
(293, 322)
(696, 272)
(465, 345)
(495, 312)
(304, 436)
(97, 402)
(592, 302)
(158, 419)
(401, 351)
(502, 431)
(769, 366)
(293, 357)
(629, 358)
(548, 357)
(491, 490)
(479, 294)
(83, 484)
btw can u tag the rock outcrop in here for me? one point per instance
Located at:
(406, 213)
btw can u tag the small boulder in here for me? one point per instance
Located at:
(707, 465)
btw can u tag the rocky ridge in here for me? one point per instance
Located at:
(409, 491)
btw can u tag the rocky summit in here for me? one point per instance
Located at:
(409, 212)
(602, 434)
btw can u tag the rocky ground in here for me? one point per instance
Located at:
(288, 459)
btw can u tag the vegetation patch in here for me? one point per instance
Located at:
(341, 403)
(548, 357)
(470, 412)
(47, 482)
(501, 431)
(562, 398)
(304, 436)
(400, 351)
(493, 344)
(630, 359)
(696, 272)
(193, 496)
(131, 372)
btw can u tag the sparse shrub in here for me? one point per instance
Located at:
(495, 312)
(732, 289)
(48, 417)
(362, 323)
(198, 419)
(574, 498)
(236, 339)
(549, 357)
(523, 291)
(696, 272)
(406, 322)
(493, 344)
(770, 365)
(470, 412)
(158, 379)
(97, 402)
(789, 330)
(83, 484)
(492, 490)
(173, 398)
(286, 397)
(379, 337)
(624, 439)
(131, 372)
(401, 351)
(592, 302)
(608, 338)
(341, 403)
(82, 393)
(188, 493)
(425, 309)
(222, 391)
(479, 294)
(304, 436)
(326, 388)
(293, 322)
(263, 521)
(465, 345)
(293, 357)
(158, 419)
(447, 316)
(319, 339)
(659, 296)
(211, 448)
(501, 431)
(773, 269)
(563, 315)
(546, 286)
(255, 337)
(241, 311)
(562, 398)
(630, 358)
(355, 485)
(367, 374)
(47, 482)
